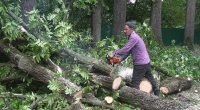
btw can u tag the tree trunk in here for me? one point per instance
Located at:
(90, 62)
(104, 81)
(96, 21)
(155, 21)
(26, 6)
(147, 101)
(40, 73)
(107, 82)
(189, 23)
(175, 85)
(119, 17)
(89, 98)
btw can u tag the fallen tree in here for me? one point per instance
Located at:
(27, 65)
(39, 72)
(92, 63)
(44, 75)
(147, 101)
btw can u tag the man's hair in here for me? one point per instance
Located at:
(130, 25)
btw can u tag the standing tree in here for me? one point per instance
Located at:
(96, 21)
(189, 23)
(155, 21)
(119, 17)
(26, 6)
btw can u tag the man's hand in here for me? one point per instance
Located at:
(110, 54)
(116, 60)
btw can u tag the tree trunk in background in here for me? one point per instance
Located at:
(26, 6)
(155, 21)
(189, 23)
(119, 17)
(96, 21)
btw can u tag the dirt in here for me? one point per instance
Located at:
(189, 98)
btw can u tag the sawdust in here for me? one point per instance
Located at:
(189, 98)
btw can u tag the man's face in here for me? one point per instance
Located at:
(127, 30)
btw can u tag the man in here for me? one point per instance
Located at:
(136, 47)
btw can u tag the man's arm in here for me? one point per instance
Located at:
(126, 50)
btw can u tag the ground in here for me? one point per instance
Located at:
(196, 51)
(190, 97)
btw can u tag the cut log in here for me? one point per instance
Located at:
(147, 101)
(90, 98)
(104, 81)
(110, 82)
(108, 99)
(116, 83)
(175, 84)
(145, 86)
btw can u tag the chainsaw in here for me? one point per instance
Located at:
(113, 60)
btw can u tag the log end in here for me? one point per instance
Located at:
(164, 90)
(78, 95)
(145, 86)
(116, 83)
(108, 99)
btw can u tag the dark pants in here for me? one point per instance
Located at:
(141, 71)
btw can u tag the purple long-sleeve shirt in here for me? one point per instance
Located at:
(136, 47)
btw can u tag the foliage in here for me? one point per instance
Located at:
(178, 60)
(173, 13)
(139, 11)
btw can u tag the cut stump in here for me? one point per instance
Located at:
(116, 83)
(108, 99)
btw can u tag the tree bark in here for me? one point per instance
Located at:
(147, 101)
(155, 21)
(104, 81)
(119, 17)
(26, 6)
(96, 21)
(189, 23)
